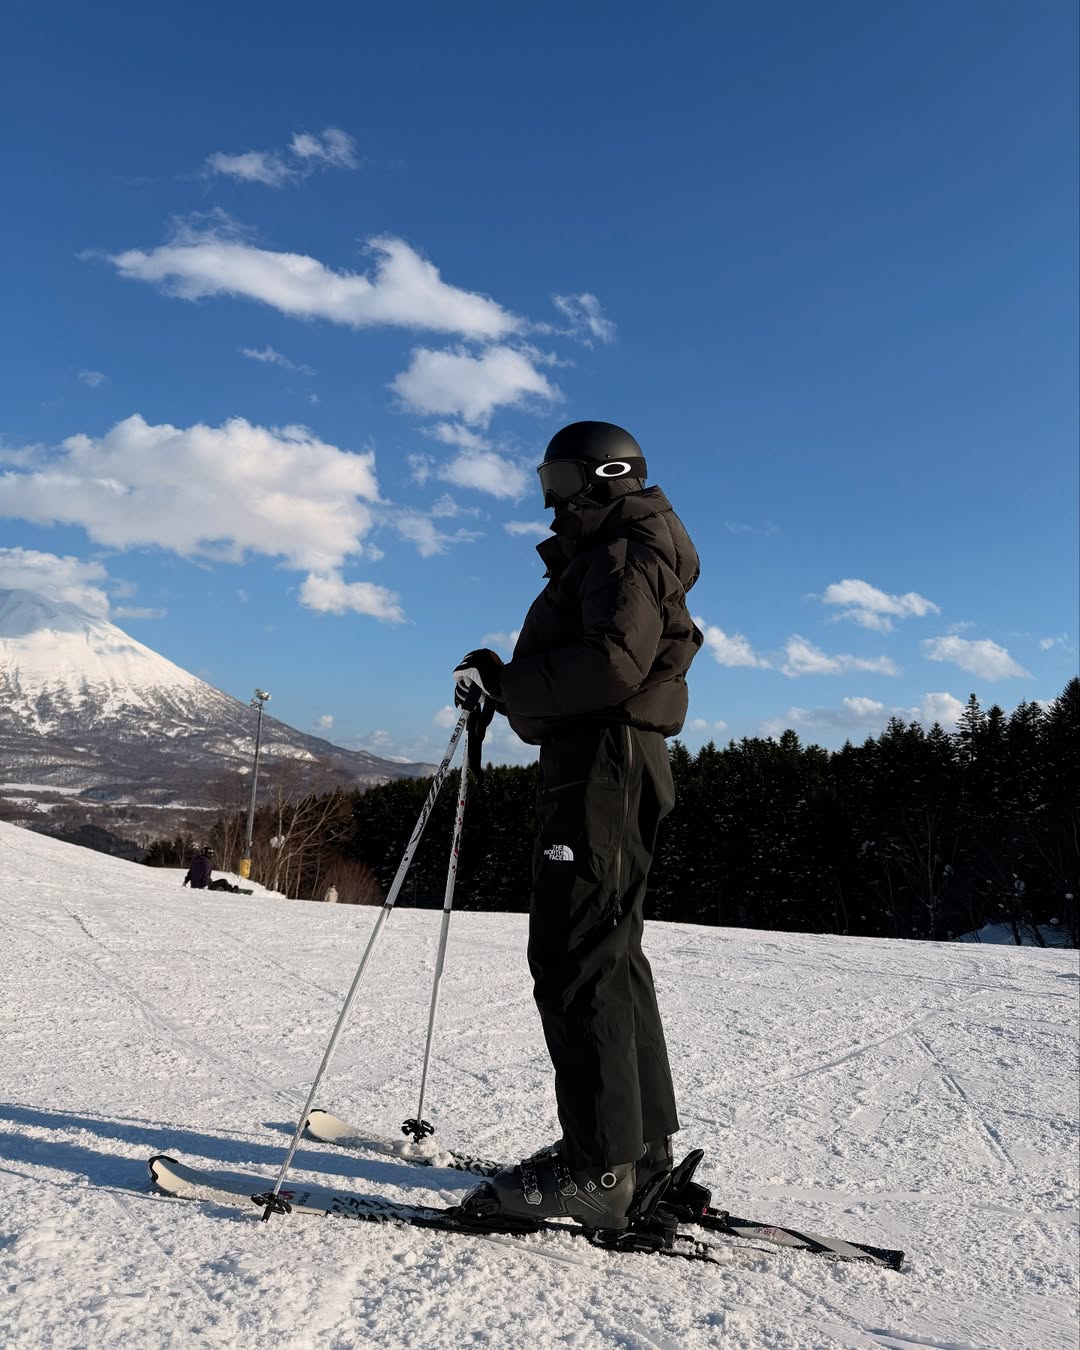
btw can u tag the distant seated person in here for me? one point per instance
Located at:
(199, 873)
(331, 894)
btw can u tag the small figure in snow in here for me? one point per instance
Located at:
(199, 873)
(597, 681)
(331, 894)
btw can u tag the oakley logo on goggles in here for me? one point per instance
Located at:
(561, 479)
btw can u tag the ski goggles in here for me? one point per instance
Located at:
(561, 479)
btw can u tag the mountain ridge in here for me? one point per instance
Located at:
(89, 712)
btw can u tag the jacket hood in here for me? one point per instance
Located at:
(644, 518)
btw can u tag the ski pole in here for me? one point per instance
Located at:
(271, 1199)
(418, 1127)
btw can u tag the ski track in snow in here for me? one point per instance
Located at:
(914, 1095)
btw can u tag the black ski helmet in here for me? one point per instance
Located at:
(585, 455)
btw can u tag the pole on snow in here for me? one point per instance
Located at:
(271, 1199)
(259, 701)
(418, 1127)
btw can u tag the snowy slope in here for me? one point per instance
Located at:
(912, 1095)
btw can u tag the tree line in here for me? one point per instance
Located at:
(912, 834)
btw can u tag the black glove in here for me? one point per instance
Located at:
(478, 673)
(478, 723)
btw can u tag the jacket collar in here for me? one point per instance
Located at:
(581, 524)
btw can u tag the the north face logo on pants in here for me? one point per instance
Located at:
(559, 853)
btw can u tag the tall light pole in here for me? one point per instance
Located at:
(261, 697)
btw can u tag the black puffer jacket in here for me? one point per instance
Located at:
(609, 639)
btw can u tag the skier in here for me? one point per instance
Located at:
(198, 874)
(597, 681)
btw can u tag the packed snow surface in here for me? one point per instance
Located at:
(903, 1094)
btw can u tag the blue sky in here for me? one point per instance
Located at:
(295, 299)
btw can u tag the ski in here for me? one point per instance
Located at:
(241, 1190)
(687, 1201)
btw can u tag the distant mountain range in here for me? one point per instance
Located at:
(91, 717)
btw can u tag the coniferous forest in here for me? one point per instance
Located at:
(912, 834)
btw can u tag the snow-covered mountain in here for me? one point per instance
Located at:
(86, 709)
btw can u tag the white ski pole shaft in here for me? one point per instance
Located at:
(271, 1201)
(419, 1127)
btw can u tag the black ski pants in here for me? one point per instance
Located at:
(603, 792)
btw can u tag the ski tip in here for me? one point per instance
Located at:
(152, 1166)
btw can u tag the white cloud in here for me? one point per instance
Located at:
(93, 379)
(451, 433)
(539, 528)
(404, 290)
(485, 471)
(870, 608)
(204, 492)
(446, 717)
(728, 650)
(942, 708)
(504, 641)
(253, 166)
(982, 657)
(703, 724)
(270, 357)
(586, 317)
(858, 716)
(67, 578)
(803, 658)
(458, 384)
(1049, 643)
(330, 593)
(421, 467)
(740, 527)
(324, 723)
(421, 530)
(333, 149)
(138, 612)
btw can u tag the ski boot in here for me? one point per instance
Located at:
(544, 1187)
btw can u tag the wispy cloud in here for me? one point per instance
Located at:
(452, 433)
(586, 317)
(703, 724)
(729, 650)
(803, 658)
(541, 529)
(403, 290)
(980, 657)
(458, 384)
(138, 612)
(872, 608)
(867, 716)
(269, 357)
(420, 529)
(505, 642)
(93, 379)
(1047, 644)
(324, 723)
(305, 154)
(740, 527)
